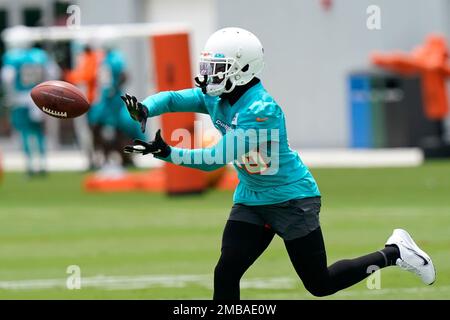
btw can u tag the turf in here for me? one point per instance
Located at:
(49, 224)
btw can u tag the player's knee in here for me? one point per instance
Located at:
(228, 269)
(220, 274)
(318, 289)
(225, 272)
(318, 292)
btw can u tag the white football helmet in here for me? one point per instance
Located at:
(231, 57)
(18, 37)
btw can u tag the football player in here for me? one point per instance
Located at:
(112, 126)
(23, 68)
(277, 193)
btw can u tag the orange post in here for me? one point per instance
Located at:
(173, 72)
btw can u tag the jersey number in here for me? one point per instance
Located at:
(253, 162)
(31, 74)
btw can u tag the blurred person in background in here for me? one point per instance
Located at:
(112, 126)
(25, 66)
(85, 76)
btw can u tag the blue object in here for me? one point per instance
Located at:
(360, 111)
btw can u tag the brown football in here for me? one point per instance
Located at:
(60, 99)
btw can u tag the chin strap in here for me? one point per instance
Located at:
(229, 86)
(201, 84)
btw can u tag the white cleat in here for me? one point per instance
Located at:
(412, 258)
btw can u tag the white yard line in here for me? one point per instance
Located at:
(179, 281)
(414, 290)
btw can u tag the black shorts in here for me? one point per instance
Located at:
(290, 220)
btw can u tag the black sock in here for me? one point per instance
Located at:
(391, 254)
(308, 256)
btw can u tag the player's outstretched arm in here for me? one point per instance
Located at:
(210, 158)
(188, 100)
(232, 146)
(258, 127)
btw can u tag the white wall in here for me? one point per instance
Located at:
(200, 15)
(15, 7)
(135, 50)
(310, 51)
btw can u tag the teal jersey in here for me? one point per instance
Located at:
(112, 71)
(29, 66)
(269, 174)
(110, 110)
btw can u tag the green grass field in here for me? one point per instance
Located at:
(141, 242)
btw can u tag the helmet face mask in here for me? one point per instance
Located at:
(217, 72)
(232, 57)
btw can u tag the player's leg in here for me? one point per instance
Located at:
(120, 142)
(309, 259)
(98, 157)
(308, 254)
(40, 140)
(297, 222)
(35, 125)
(26, 148)
(242, 243)
(109, 137)
(84, 137)
(20, 121)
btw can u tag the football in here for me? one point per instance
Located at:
(60, 99)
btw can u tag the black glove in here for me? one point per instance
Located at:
(157, 147)
(137, 110)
